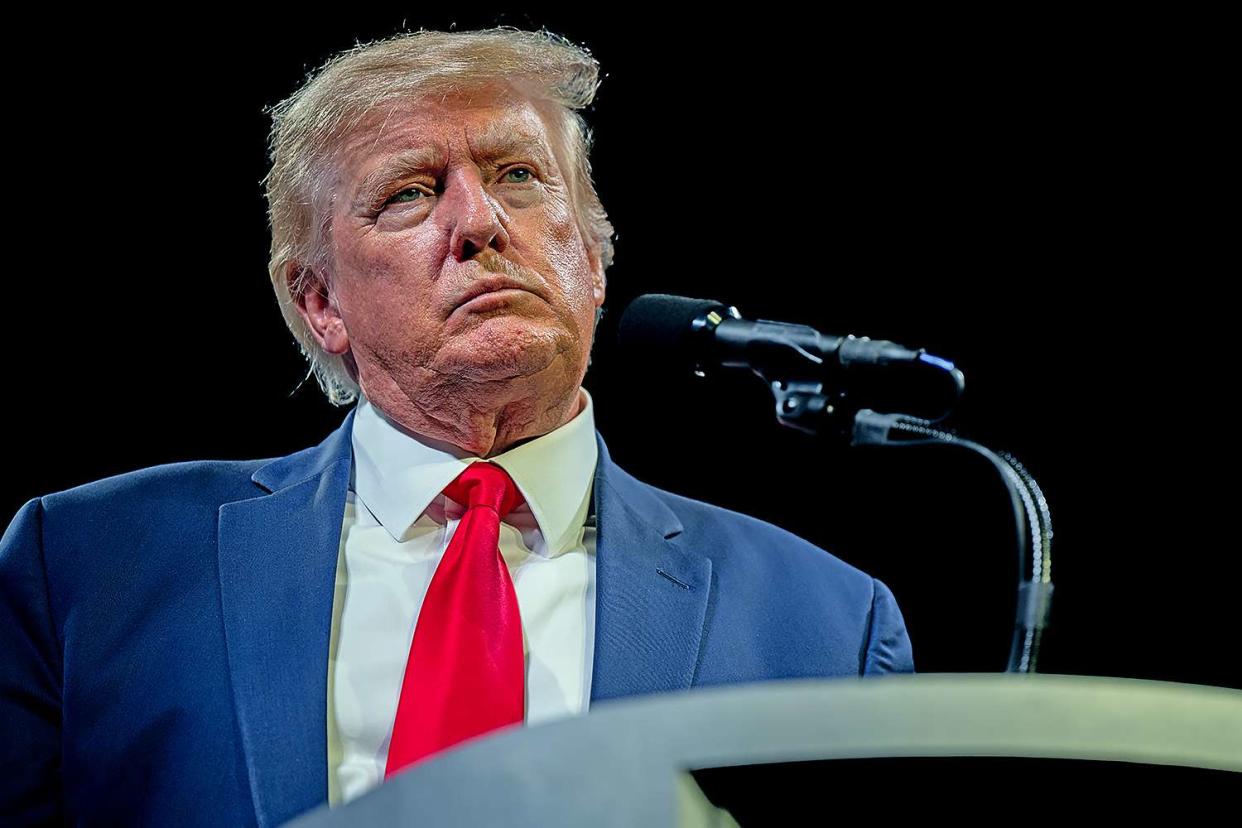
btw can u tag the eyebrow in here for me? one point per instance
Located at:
(498, 140)
(403, 163)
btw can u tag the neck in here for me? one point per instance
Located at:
(475, 418)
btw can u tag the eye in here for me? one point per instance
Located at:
(517, 175)
(406, 196)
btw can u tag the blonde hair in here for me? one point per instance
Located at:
(310, 126)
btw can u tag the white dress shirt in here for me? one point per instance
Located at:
(397, 525)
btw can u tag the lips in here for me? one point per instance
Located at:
(488, 284)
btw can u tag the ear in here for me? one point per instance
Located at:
(598, 280)
(316, 305)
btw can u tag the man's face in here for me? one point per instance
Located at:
(455, 253)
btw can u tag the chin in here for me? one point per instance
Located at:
(505, 347)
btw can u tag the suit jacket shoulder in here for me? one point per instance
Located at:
(164, 636)
(777, 606)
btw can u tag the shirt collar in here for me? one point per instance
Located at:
(397, 474)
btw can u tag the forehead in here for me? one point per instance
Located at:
(477, 122)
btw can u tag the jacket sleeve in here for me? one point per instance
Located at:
(888, 645)
(30, 678)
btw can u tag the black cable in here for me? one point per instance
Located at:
(1032, 521)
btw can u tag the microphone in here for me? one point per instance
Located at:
(702, 335)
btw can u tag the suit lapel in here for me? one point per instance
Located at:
(651, 592)
(277, 556)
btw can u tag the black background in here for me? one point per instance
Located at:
(1030, 196)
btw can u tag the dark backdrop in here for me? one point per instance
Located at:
(1020, 194)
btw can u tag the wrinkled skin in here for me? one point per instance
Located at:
(459, 286)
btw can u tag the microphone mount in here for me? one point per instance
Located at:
(818, 382)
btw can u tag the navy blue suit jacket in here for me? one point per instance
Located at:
(164, 634)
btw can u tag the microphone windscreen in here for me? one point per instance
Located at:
(657, 322)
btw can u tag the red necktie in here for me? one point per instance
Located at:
(465, 675)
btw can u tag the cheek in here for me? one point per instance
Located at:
(397, 258)
(571, 263)
(566, 252)
(381, 281)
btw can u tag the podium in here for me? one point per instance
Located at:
(629, 762)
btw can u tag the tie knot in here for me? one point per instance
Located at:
(485, 484)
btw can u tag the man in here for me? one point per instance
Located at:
(238, 642)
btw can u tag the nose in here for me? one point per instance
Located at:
(477, 219)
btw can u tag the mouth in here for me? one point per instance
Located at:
(490, 292)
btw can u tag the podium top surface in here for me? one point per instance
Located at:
(622, 759)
